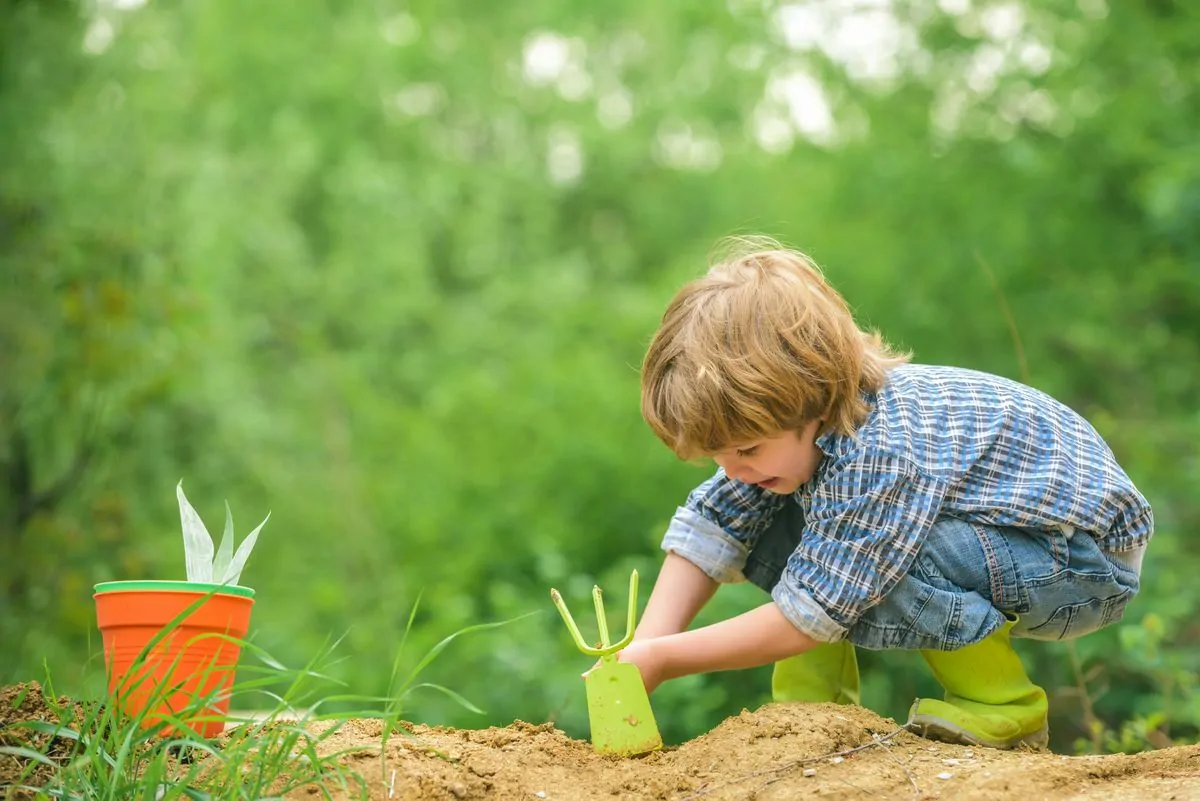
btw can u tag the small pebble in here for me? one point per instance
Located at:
(945, 775)
(969, 754)
(810, 772)
(540, 793)
(951, 761)
(837, 759)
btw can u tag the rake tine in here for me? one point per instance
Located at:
(601, 618)
(571, 627)
(631, 620)
(606, 648)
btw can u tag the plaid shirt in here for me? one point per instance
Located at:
(938, 441)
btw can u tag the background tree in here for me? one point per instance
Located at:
(387, 270)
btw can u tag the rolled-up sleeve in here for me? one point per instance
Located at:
(868, 519)
(799, 607)
(719, 524)
(706, 545)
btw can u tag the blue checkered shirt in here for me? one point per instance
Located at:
(938, 441)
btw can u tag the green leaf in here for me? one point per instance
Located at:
(225, 549)
(234, 571)
(197, 544)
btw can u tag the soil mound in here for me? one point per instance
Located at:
(777, 752)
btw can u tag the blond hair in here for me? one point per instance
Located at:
(760, 345)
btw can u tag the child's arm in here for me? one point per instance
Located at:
(681, 591)
(758, 637)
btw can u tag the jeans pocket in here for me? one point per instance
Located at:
(1075, 620)
(1125, 576)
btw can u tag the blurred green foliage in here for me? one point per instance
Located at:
(387, 270)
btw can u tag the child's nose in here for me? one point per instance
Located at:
(735, 468)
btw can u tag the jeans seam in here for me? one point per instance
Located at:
(1062, 548)
(991, 559)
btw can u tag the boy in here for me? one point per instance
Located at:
(882, 504)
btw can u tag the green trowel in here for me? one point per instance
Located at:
(619, 712)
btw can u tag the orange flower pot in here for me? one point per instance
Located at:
(188, 673)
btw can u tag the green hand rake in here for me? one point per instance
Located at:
(619, 712)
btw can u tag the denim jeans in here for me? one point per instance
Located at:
(969, 578)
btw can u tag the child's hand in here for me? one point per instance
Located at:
(643, 655)
(646, 656)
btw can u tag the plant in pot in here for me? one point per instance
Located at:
(171, 648)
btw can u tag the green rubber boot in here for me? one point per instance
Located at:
(828, 672)
(990, 700)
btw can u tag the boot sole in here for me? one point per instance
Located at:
(934, 728)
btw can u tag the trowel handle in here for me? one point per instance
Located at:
(605, 648)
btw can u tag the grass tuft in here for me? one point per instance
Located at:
(91, 750)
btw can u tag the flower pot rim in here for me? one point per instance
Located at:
(167, 585)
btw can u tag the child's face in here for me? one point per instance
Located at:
(780, 464)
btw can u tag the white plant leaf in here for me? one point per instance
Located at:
(234, 571)
(197, 544)
(225, 549)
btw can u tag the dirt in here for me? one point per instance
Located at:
(26, 703)
(777, 752)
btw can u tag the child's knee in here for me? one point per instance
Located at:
(919, 616)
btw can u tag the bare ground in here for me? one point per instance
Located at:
(777, 752)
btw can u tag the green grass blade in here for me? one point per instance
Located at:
(412, 616)
(53, 729)
(20, 697)
(39, 792)
(433, 652)
(463, 702)
(27, 753)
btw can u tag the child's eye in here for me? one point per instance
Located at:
(744, 452)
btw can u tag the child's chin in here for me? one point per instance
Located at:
(783, 487)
